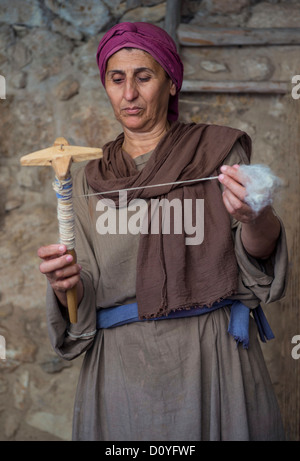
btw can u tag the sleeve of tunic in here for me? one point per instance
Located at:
(70, 340)
(259, 280)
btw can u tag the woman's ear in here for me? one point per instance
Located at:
(172, 89)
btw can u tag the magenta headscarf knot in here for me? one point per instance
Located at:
(150, 38)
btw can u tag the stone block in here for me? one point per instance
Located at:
(266, 14)
(86, 16)
(213, 66)
(55, 424)
(66, 89)
(153, 14)
(16, 12)
(226, 6)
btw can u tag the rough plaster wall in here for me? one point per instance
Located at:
(47, 55)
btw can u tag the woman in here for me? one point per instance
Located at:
(166, 369)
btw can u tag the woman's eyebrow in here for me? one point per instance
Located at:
(136, 71)
(143, 69)
(115, 71)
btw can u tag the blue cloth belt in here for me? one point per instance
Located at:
(238, 323)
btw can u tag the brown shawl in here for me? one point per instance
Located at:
(170, 274)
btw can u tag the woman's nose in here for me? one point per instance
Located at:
(130, 90)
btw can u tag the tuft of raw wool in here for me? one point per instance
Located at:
(261, 185)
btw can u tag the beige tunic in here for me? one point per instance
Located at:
(177, 380)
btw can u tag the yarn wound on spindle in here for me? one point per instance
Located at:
(65, 212)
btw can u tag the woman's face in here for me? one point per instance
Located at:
(138, 89)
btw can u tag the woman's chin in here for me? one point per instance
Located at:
(133, 123)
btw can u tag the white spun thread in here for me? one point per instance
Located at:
(65, 212)
(259, 181)
(148, 187)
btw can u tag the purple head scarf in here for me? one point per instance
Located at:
(150, 38)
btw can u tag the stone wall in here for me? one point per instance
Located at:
(47, 55)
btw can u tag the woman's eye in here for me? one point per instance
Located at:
(144, 79)
(117, 80)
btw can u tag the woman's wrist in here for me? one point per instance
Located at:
(260, 235)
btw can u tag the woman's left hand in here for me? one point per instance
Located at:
(234, 194)
(260, 231)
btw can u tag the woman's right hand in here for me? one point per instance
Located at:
(60, 270)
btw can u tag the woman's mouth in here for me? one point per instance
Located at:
(132, 110)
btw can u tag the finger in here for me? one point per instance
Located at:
(237, 208)
(65, 284)
(51, 265)
(233, 172)
(67, 272)
(236, 203)
(233, 185)
(227, 203)
(50, 251)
